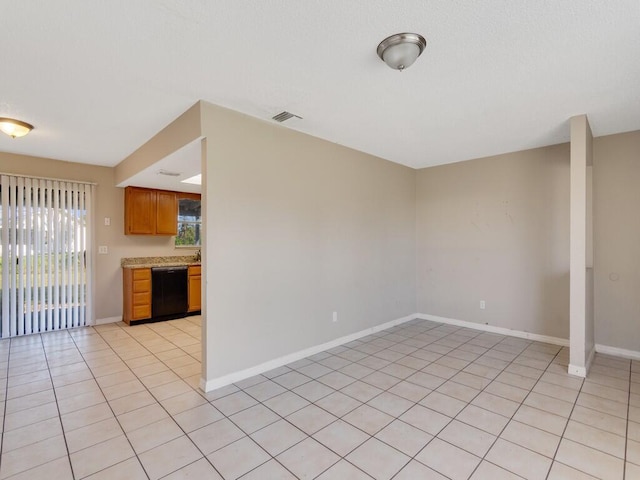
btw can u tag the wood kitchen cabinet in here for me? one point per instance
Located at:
(195, 288)
(150, 212)
(136, 294)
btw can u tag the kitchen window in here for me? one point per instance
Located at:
(189, 220)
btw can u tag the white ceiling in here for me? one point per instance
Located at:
(99, 78)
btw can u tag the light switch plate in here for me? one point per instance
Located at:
(103, 249)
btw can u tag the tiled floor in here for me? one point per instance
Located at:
(418, 401)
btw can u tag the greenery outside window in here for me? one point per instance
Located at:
(189, 220)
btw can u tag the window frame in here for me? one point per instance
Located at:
(188, 196)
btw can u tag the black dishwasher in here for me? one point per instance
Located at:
(169, 294)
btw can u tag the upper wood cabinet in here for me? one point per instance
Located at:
(139, 211)
(150, 212)
(166, 213)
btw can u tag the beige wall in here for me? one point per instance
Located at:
(301, 227)
(496, 229)
(616, 195)
(109, 203)
(297, 228)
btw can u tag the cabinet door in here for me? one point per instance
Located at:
(140, 211)
(195, 293)
(166, 213)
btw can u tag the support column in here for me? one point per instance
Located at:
(582, 345)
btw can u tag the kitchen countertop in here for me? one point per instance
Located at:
(150, 262)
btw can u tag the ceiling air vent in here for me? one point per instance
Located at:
(284, 116)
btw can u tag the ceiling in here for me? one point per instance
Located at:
(98, 79)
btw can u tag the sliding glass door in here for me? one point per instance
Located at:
(46, 268)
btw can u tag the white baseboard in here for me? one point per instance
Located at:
(500, 330)
(209, 385)
(617, 352)
(214, 383)
(102, 321)
(577, 371)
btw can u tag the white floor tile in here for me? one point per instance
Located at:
(117, 385)
(308, 459)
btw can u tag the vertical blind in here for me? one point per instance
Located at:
(45, 229)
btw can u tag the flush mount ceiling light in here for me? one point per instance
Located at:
(399, 51)
(14, 128)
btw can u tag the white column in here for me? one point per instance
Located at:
(581, 298)
(204, 237)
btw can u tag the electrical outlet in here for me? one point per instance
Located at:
(103, 249)
(107, 221)
(335, 316)
(482, 305)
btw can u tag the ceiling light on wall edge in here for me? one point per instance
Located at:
(14, 128)
(399, 51)
(195, 180)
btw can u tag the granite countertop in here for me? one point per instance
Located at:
(150, 262)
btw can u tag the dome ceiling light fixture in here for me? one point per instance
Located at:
(14, 128)
(399, 51)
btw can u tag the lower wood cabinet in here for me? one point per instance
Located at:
(136, 294)
(195, 288)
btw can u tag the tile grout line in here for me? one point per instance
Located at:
(168, 340)
(310, 436)
(343, 457)
(249, 435)
(161, 406)
(454, 381)
(562, 437)
(207, 402)
(387, 390)
(95, 379)
(158, 401)
(413, 458)
(51, 348)
(66, 445)
(498, 436)
(564, 430)
(432, 390)
(513, 361)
